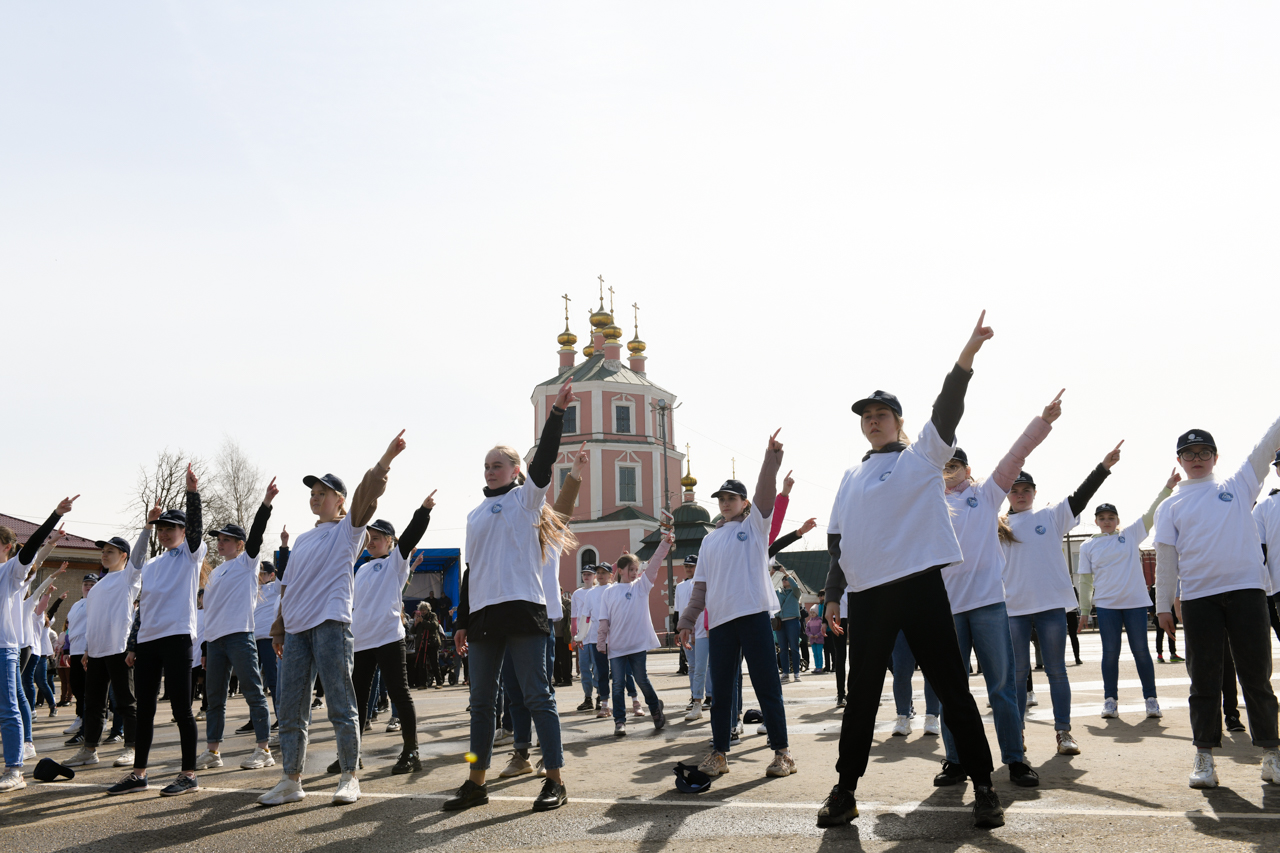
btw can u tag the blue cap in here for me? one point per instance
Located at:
(961, 455)
(588, 570)
(90, 578)
(235, 531)
(383, 526)
(1024, 477)
(604, 567)
(267, 566)
(732, 487)
(691, 560)
(884, 398)
(1195, 436)
(172, 518)
(691, 780)
(114, 542)
(1106, 508)
(1277, 462)
(331, 480)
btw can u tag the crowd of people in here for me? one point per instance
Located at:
(928, 569)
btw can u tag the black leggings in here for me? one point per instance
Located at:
(836, 650)
(103, 673)
(170, 657)
(1073, 628)
(390, 658)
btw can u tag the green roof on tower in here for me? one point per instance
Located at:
(599, 369)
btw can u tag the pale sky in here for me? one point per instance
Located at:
(306, 226)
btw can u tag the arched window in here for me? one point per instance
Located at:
(587, 557)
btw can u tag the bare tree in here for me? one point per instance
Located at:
(166, 482)
(237, 486)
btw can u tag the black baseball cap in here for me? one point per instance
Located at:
(588, 570)
(961, 455)
(172, 518)
(114, 542)
(691, 780)
(691, 560)
(1024, 477)
(383, 526)
(733, 487)
(884, 398)
(1277, 462)
(1106, 508)
(331, 480)
(90, 579)
(267, 566)
(235, 531)
(48, 770)
(1195, 436)
(604, 567)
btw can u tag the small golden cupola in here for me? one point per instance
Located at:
(688, 480)
(612, 332)
(636, 346)
(567, 339)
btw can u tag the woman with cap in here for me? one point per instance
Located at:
(1038, 590)
(975, 588)
(312, 633)
(230, 604)
(890, 535)
(163, 636)
(14, 576)
(1110, 576)
(1207, 541)
(378, 631)
(732, 584)
(503, 604)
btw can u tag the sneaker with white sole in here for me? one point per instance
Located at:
(735, 736)
(28, 751)
(73, 728)
(762, 729)
(125, 758)
(1110, 708)
(12, 780)
(637, 710)
(1032, 701)
(1203, 774)
(931, 725)
(715, 764)
(258, 759)
(902, 727)
(1271, 767)
(540, 770)
(348, 790)
(83, 758)
(1067, 744)
(782, 765)
(130, 784)
(184, 784)
(603, 711)
(274, 740)
(286, 791)
(695, 713)
(207, 760)
(502, 737)
(620, 729)
(517, 766)
(1153, 708)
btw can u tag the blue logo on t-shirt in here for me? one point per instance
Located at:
(496, 508)
(742, 536)
(377, 567)
(1226, 496)
(885, 476)
(972, 501)
(628, 596)
(1121, 540)
(1040, 529)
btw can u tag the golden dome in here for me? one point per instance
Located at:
(588, 351)
(688, 480)
(636, 346)
(601, 318)
(567, 338)
(612, 332)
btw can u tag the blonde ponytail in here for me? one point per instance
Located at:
(1005, 532)
(554, 532)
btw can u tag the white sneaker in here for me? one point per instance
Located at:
(1110, 709)
(620, 729)
(604, 712)
(12, 779)
(28, 751)
(1271, 767)
(125, 759)
(636, 710)
(258, 759)
(931, 725)
(1031, 700)
(274, 740)
(348, 790)
(502, 737)
(735, 736)
(1203, 775)
(287, 791)
(761, 730)
(695, 713)
(1153, 708)
(83, 758)
(1067, 744)
(208, 759)
(540, 770)
(902, 728)
(73, 728)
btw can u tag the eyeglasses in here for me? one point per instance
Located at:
(1193, 455)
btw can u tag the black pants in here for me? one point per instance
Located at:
(103, 673)
(169, 657)
(75, 675)
(1160, 638)
(564, 662)
(836, 649)
(395, 677)
(1073, 628)
(1230, 699)
(918, 607)
(1238, 617)
(1274, 607)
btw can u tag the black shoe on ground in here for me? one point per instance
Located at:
(317, 703)
(275, 726)
(469, 796)
(184, 784)
(587, 705)
(987, 813)
(659, 717)
(408, 762)
(75, 740)
(245, 729)
(553, 796)
(839, 808)
(128, 785)
(336, 766)
(841, 702)
(1233, 724)
(114, 739)
(952, 774)
(597, 703)
(1022, 775)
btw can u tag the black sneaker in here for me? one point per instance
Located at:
(659, 717)
(184, 784)
(336, 766)
(275, 726)
(75, 740)
(114, 739)
(597, 703)
(469, 796)
(952, 774)
(1233, 724)
(553, 796)
(245, 729)
(408, 762)
(987, 813)
(317, 703)
(587, 705)
(1022, 775)
(129, 784)
(840, 807)
(841, 702)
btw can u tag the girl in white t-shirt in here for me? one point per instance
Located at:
(890, 535)
(378, 628)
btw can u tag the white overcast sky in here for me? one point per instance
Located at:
(308, 225)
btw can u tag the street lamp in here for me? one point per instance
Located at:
(663, 410)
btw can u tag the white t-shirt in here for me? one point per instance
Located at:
(1211, 524)
(891, 514)
(551, 585)
(319, 584)
(379, 606)
(168, 599)
(266, 605)
(108, 613)
(1267, 516)
(977, 581)
(503, 549)
(578, 608)
(626, 606)
(591, 610)
(1036, 577)
(13, 583)
(1116, 565)
(684, 592)
(77, 628)
(734, 564)
(229, 597)
(44, 637)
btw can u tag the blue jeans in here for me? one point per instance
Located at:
(904, 668)
(698, 657)
(587, 667)
(817, 655)
(10, 715)
(789, 638)
(1051, 627)
(239, 652)
(521, 719)
(326, 650)
(1134, 620)
(529, 660)
(985, 631)
(746, 637)
(635, 666)
(24, 704)
(603, 683)
(270, 673)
